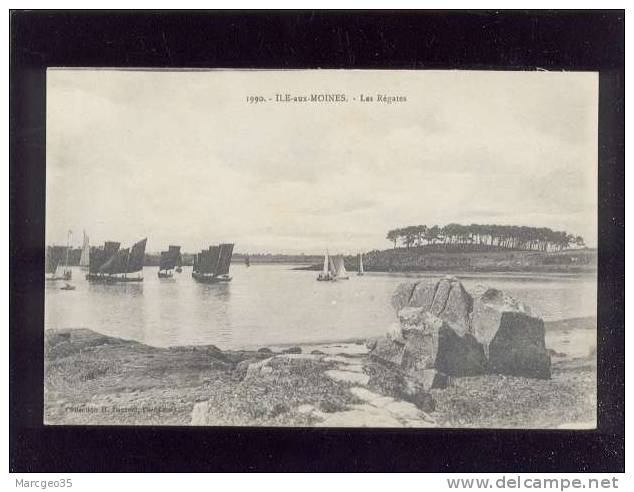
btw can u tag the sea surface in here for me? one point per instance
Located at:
(274, 304)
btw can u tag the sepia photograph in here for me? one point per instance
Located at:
(321, 248)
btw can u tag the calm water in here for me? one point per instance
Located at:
(273, 304)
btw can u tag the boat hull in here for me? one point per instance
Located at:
(210, 279)
(107, 279)
(165, 275)
(325, 278)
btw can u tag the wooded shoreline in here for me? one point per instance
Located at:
(472, 259)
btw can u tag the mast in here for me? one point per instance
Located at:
(67, 264)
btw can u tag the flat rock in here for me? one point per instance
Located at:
(366, 395)
(361, 416)
(352, 368)
(347, 376)
(403, 410)
(199, 413)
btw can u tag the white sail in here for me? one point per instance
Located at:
(84, 260)
(326, 262)
(339, 267)
(360, 264)
(332, 269)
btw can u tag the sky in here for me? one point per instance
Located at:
(182, 157)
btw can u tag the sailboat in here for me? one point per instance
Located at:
(212, 265)
(334, 269)
(247, 261)
(169, 260)
(327, 272)
(62, 270)
(109, 264)
(84, 259)
(360, 272)
(339, 267)
(53, 259)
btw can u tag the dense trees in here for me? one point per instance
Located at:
(503, 236)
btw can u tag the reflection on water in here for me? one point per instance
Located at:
(272, 304)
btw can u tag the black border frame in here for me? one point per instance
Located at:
(506, 40)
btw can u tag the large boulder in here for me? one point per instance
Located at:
(445, 298)
(442, 327)
(429, 342)
(402, 295)
(518, 347)
(512, 337)
(488, 307)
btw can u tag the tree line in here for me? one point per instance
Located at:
(503, 236)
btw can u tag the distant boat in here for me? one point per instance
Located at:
(334, 269)
(212, 265)
(109, 264)
(84, 259)
(339, 267)
(179, 257)
(57, 262)
(327, 273)
(247, 262)
(67, 286)
(54, 258)
(169, 260)
(360, 264)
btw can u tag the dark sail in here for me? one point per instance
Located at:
(97, 258)
(110, 248)
(116, 263)
(168, 260)
(58, 254)
(137, 257)
(213, 255)
(224, 260)
(50, 262)
(176, 251)
(205, 261)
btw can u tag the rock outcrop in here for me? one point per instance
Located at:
(425, 341)
(443, 329)
(512, 337)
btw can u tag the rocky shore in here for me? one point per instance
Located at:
(95, 379)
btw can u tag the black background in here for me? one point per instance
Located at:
(507, 40)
